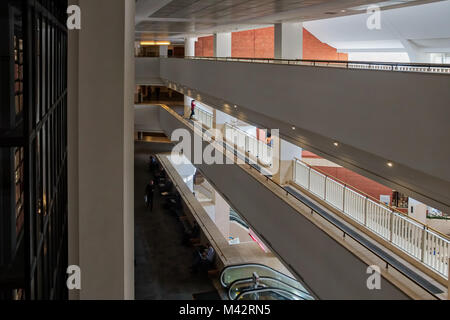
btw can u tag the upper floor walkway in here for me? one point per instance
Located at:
(375, 115)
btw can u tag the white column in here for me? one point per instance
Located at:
(101, 88)
(222, 215)
(289, 41)
(287, 153)
(222, 44)
(163, 51)
(415, 53)
(189, 47)
(187, 106)
(220, 118)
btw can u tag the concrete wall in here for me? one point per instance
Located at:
(147, 71)
(328, 269)
(376, 116)
(147, 118)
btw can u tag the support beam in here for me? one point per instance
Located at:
(101, 173)
(289, 41)
(163, 51)
(222, 44)
(286, 154)
(189, 47)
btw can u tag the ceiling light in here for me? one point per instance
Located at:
(235, 106)
(293, 127)
(390, 164)
(336, 144)
(155, 43)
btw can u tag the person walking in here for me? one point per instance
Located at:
(149, 193)
(193, 104)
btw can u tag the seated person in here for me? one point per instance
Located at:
(192, 235)
(165, 187)
(203, 259)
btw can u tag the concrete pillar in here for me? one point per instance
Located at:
(222, 215)
(287, 153)
(222, 44)
(187, 106)
(163, 51)
(220, 118)
(101, 173)
(288, 41)
(415, 53)
(189, 47)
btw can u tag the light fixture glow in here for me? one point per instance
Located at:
(336, 144)
(390, 164)
(293, 127)
(155, 43)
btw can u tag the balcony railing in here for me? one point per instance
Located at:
(366, 65)
(204, 117)
(411, 236)
(244, 141)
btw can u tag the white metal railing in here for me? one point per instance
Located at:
(366, 65)
(244, 141)
(412, 237)
(204, 117)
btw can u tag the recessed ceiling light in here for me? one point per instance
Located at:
(390, 164)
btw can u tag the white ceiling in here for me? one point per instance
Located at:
(427, 26)
(175, 19)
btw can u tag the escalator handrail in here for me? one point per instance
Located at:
(251, 264)
(267, 289)
(268, 278)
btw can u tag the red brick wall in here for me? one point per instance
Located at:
(314, 49)
(204, 47)
(258, 43)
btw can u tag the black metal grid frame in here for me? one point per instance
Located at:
(42, 253)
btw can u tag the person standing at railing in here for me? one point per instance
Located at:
(193, 104)
(269, 139)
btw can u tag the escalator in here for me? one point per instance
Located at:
(259, 282)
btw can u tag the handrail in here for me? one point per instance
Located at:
(373, 199)
(268, 289)
(247, 137)
(234, 216)
(262, 279)
(268, 179)
(249, 265)
(392, 66)
(424, 244)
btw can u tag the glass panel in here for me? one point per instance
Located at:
(246, 271)
(241, 286)
(267, 294)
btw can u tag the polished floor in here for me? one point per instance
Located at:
(162, 262)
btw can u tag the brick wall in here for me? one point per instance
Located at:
(204, 47)
(314, 49)
(259, 43)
